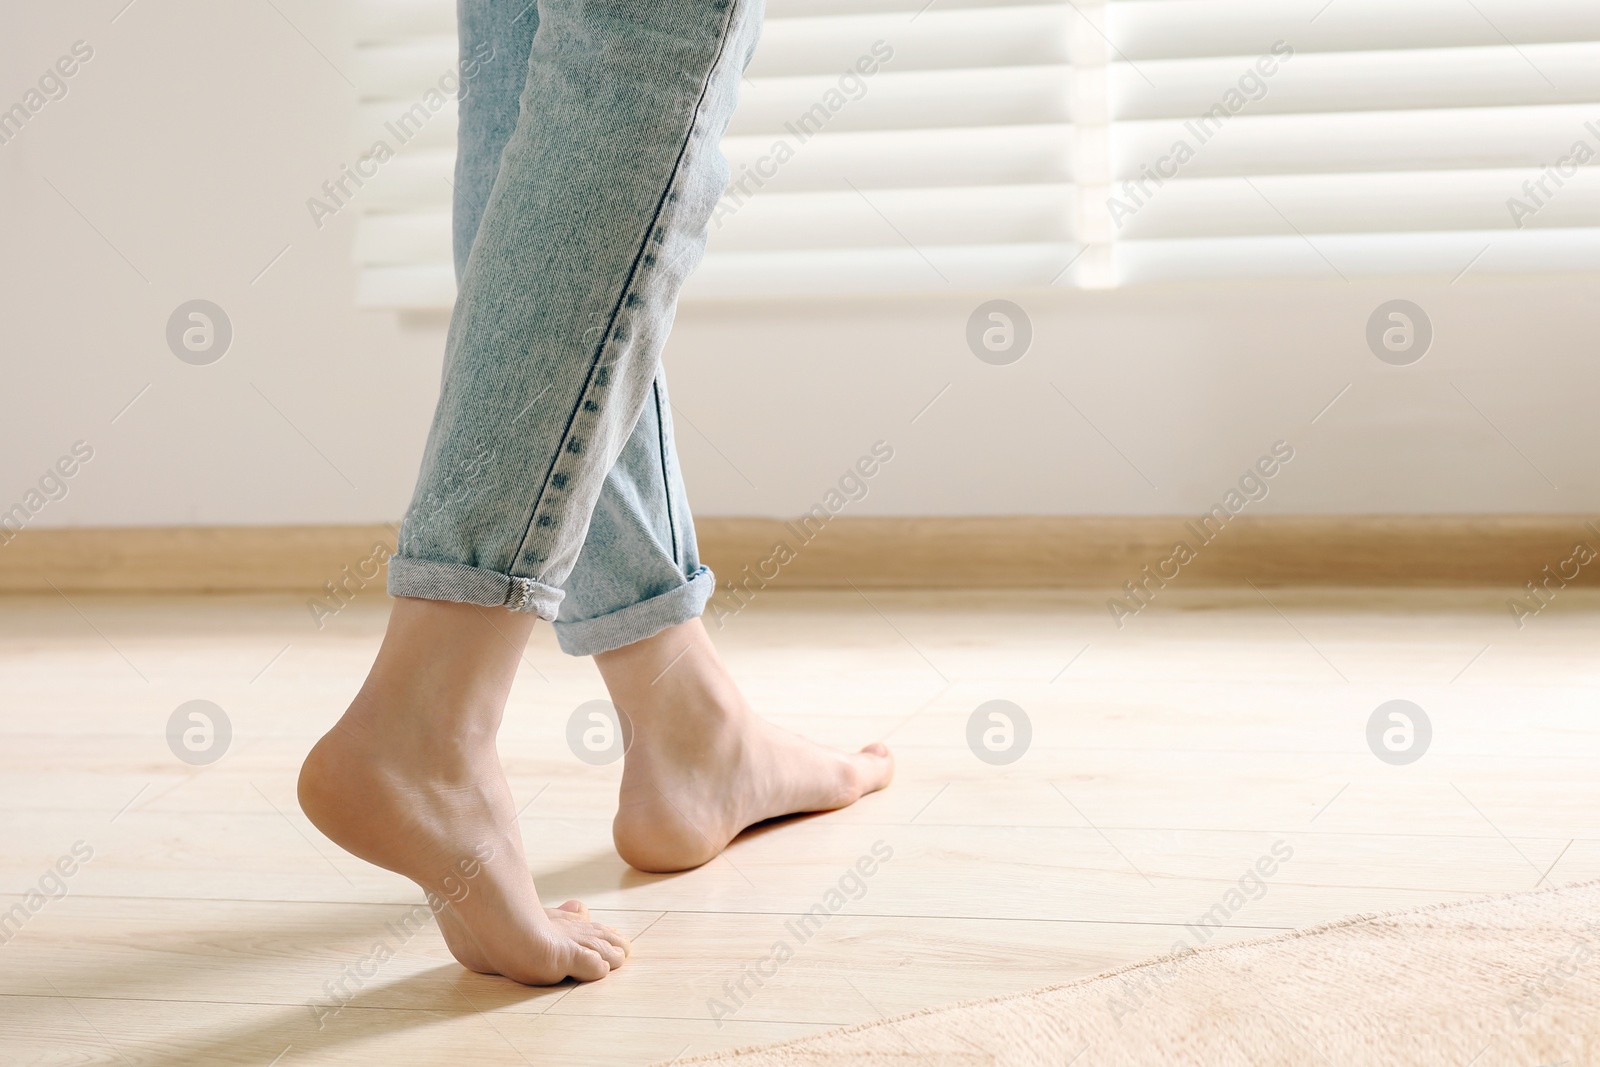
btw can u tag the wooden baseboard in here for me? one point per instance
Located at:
(1102, 552)
(903, 553)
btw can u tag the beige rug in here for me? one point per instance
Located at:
(1488, 983)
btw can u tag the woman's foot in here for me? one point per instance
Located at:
(702, 766)
(409, 780)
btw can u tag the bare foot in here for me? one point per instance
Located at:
(702, 766)
(409, 780)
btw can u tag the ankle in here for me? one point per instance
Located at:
(390, 713)
(441, 677)
(673, 675)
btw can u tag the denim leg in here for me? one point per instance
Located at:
(550, 470)
(639, 571)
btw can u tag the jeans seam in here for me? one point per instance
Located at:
(666, 478)
(634, 273)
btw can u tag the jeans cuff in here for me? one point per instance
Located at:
(638, 621)
(428, 579)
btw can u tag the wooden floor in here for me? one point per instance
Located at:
(1166, 758)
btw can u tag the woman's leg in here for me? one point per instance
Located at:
(598, 211)
(702, 766)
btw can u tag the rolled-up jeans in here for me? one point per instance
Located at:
(587, 170)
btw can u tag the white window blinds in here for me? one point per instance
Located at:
(1395, 140)
(402, 49)
(895, 145)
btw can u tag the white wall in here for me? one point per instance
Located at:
(193, 137)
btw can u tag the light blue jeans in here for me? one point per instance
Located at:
(585, 180)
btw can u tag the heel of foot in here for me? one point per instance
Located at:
(658, 843)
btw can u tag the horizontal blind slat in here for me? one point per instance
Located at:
(985, 155)
(896, 217)
(892, 100)
(1395, 203)
(1456, 138)
(832, 272)
(937, 39)
(1361, 81)
(1339, 257)
(1171, 29)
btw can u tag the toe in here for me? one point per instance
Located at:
(612, 953)
(611, 937)
(873, 766)
(587, 965)
(575, 907)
